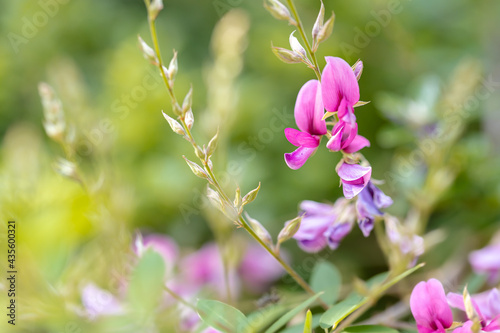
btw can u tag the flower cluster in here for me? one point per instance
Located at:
(338, 93)
(201, 272)
(431, 309)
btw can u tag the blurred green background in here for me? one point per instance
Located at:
(88, 51)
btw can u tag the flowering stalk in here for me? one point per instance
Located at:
(219, 196)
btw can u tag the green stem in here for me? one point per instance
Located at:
(179, 298)
(300, 27)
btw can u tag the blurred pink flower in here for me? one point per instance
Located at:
(99, 302)
(487, 261)
(430, 308)
(161, 244)
(308, 114)
(486, 304)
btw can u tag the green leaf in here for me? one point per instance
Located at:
(308, 323)
(264, 317)
(292, 313)
(146, 285)
(221, 316)
(326, 277)
(402, 276)
(339, 311)
(369, 329)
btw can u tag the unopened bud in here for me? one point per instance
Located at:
(259, 230)
(286, 56)
(189, 118)
(188, 101)
(214, 198)
(358, 69)
(279, 11)
(154, 8)
(317, 26)
(326, 29)
(251, 196)
(212, 145)
(197, 170)
(66, 168)
(174, 124)
(290, 229)
(237, 197)
(297, 47)
(54, 122)
(147, 51)
(172, 68)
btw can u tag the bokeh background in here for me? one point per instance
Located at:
(88, 51)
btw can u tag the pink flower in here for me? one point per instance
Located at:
(354, 178)
(487, 260)
(429, 307)
(340, 89)
(163, 245)
(308, 117)
(99, 302)
(345, 137)
(486, 304)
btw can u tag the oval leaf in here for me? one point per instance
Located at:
(339, 311)
(326, 277)
(221, 316)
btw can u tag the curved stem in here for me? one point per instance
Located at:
(300, 27)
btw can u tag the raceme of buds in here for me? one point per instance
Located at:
(197, 170)
(286, 56)
(54, 122)
(154, 8)
(250, 196)
(147, 51)
(174, 124)
(279, 11)
(259, 229)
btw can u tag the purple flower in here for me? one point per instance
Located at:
(324, 224)
(340, 88)
(429, 307)
(410, 246)
(308, 114)
(345, 137)
(164, 245)
(98, 302)
(487, 260)
(258, 269)
(370, 200)
(486, 304)
(354, 178)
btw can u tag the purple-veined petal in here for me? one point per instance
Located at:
(366, 225)
(335, 233)
(380, 199)
(338, 83)
(352, 190)
(335, 142)
(429, 306)
(357, 144)
(309, 109)
(307, 140)
(312, 227)
(313, 245)
(313, 208)
(297, 158)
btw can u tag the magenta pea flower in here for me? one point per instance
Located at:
(98, 302)
(354, 178)
(369, 204)
(430, 308)
(487, 260)
(486, 305)
(308, 114)
(340, 89)
(345, 137)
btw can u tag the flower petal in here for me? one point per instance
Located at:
(308, 140)
(357, 144)
(309, 109)
(338, 82)
(297, 159)
(429, 306)
(291, 135)
(353, 172)
(335, 233)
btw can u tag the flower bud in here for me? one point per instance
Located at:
(279, 11)
(215, 198)
(251, 196)
(326, 29)
(297, 47)
(66, 168)
(189, 118)
(286, 56)
(358, 69)
(188, 101)
(172, 69)
(197, 170)
(259, 229)
(237, 197)
(147, 51)
(290, 229)
(174, 124)
(212, 145)
(317, 26)
(154, 8)
(54, 122)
